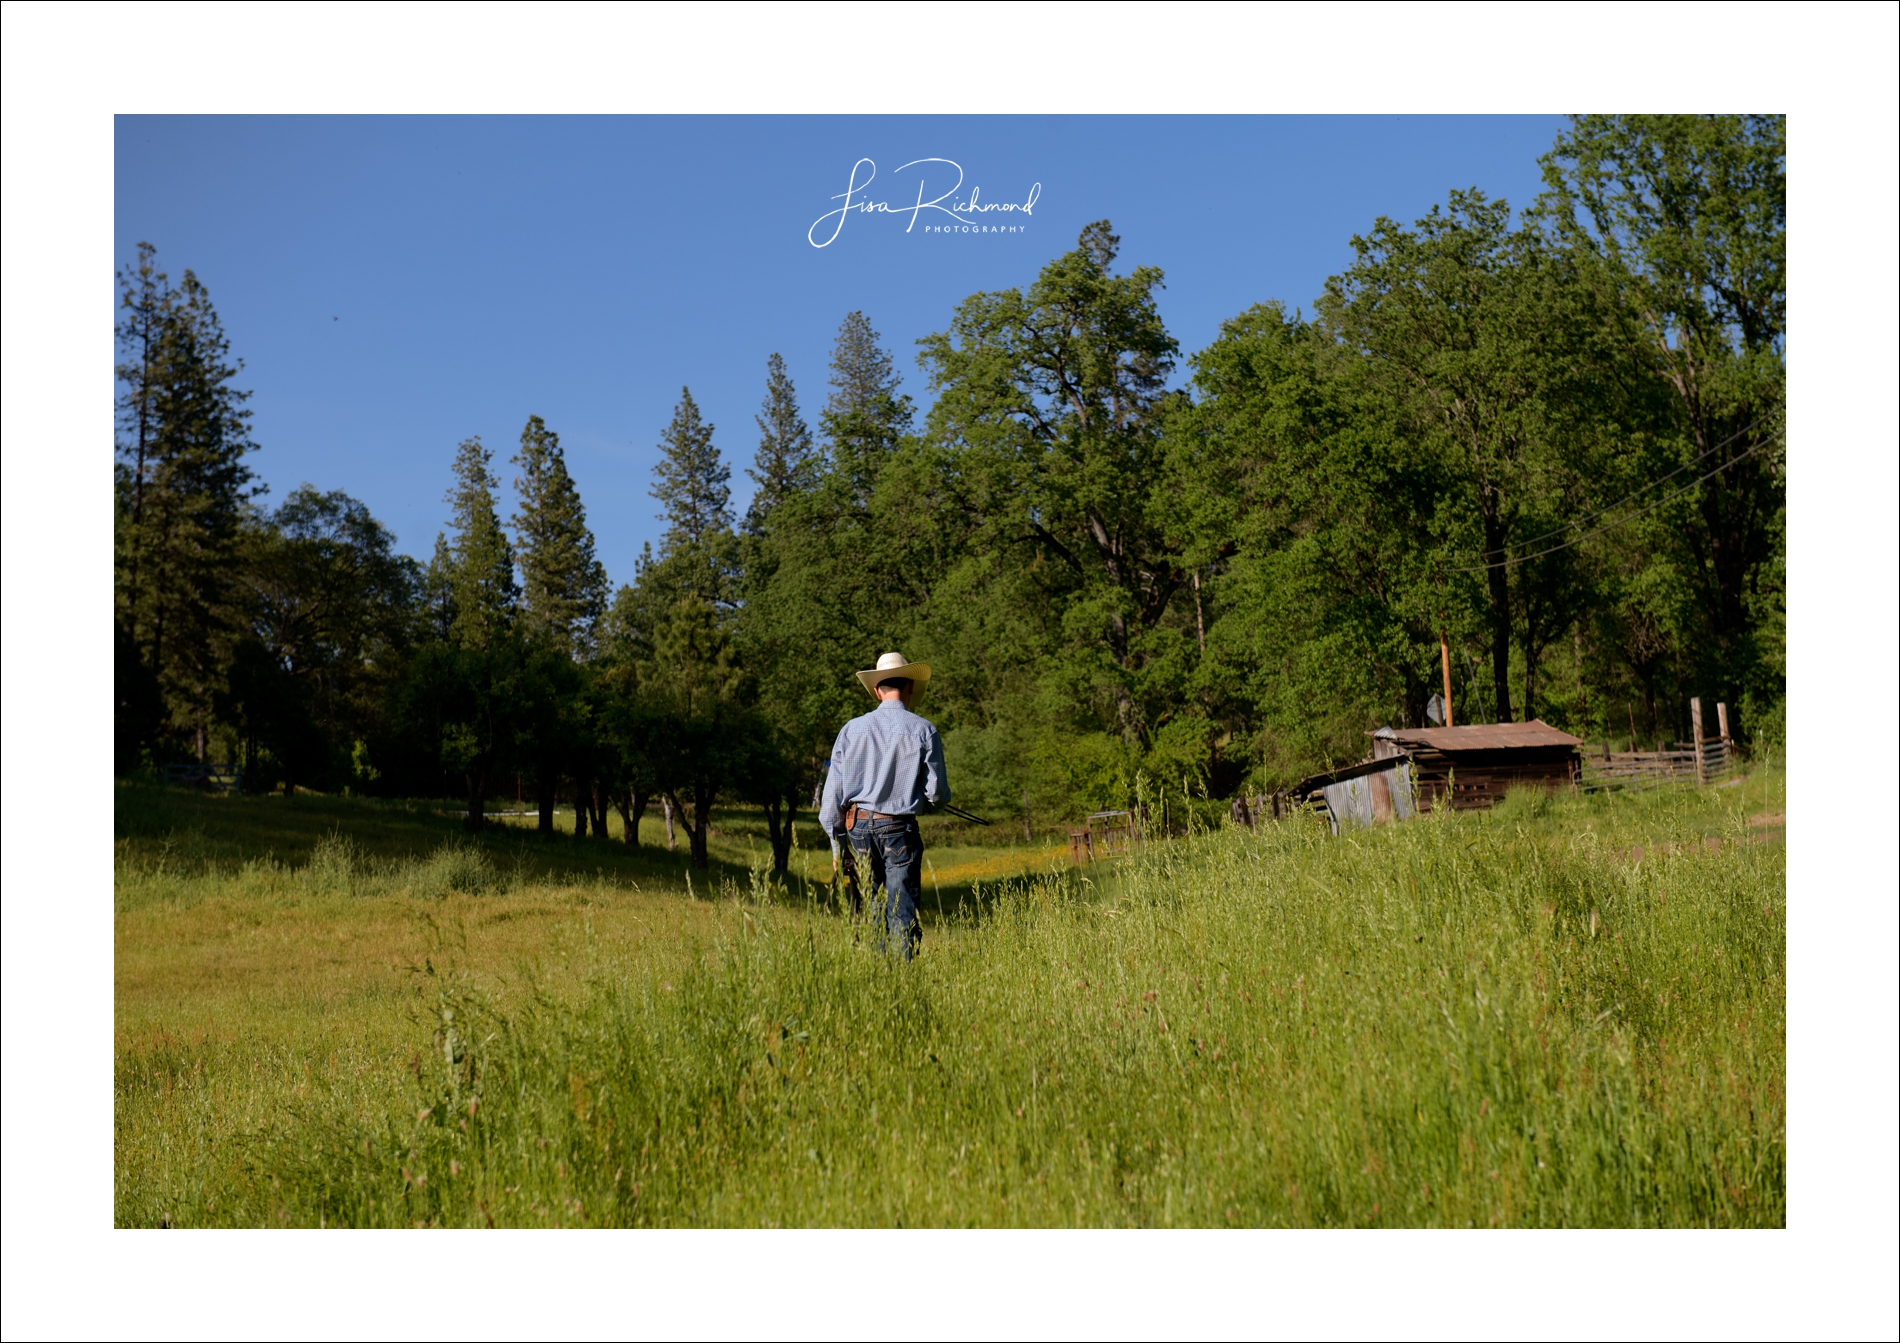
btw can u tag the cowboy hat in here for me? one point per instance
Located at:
(892, 665)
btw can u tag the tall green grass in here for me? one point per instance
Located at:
(1464, 1021)
(175, 846)
(336, 865)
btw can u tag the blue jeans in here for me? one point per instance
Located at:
(894, 850)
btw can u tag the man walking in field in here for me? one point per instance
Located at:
(886, 769)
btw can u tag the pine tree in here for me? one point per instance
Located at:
(438, 591)
(787, 463)
(865, 415)
(699, 552)
(691, 482)
(146, 302)
(183, 436)
(482, 577)
(563, 584)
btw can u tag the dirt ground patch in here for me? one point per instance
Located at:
(1767, 827)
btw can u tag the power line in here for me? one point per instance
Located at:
(1660, 480)
(1612, 526)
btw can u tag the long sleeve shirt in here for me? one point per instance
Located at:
(887, 760)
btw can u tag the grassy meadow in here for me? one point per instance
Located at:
(1566, 1012)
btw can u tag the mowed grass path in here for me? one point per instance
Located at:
(331, 1013)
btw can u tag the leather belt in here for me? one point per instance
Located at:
(852, 812)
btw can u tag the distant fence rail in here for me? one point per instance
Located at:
(1605, 770)
(215, 778)
(1103, 834)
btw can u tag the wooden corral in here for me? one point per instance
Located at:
(1103, 834)
(1703, 760)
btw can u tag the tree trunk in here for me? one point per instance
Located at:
(599, 799)
(1585, 700)
(631, 803)
(544, 803)
(782, 833)
(1499, 584)
(477, 791)
(670, 805)
(702, 820)
(580, 809)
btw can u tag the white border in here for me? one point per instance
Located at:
(67, 70)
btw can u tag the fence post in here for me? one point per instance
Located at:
(1695, 733)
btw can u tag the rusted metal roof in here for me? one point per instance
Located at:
(1484, 736)
(1313, 783)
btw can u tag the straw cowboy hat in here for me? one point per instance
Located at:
(891, 665)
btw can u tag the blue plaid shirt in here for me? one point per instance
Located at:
(887, 760)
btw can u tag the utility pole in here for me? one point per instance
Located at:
(1444, 664)
(1444, 653)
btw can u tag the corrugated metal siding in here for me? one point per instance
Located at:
(1372, 798)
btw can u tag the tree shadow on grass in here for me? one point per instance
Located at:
(223, 833)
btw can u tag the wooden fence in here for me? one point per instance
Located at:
(1250, 810)
(214, 778)
(1105, 833)
(1704, 760)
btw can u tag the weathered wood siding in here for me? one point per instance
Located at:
(1474, 780)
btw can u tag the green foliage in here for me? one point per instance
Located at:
(1684, 220)
(691, 481)
(481, 571)
(469, 706)
(1315, 516)
(787, 462)
(1478, 355)
(563, 585)
(866, 417)
(326, 614)
(1049, 410)
(437, 594)
(183, 435)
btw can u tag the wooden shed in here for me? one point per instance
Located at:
(1411, 770)
(1472, 766)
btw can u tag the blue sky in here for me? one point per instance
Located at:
(397, 284)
